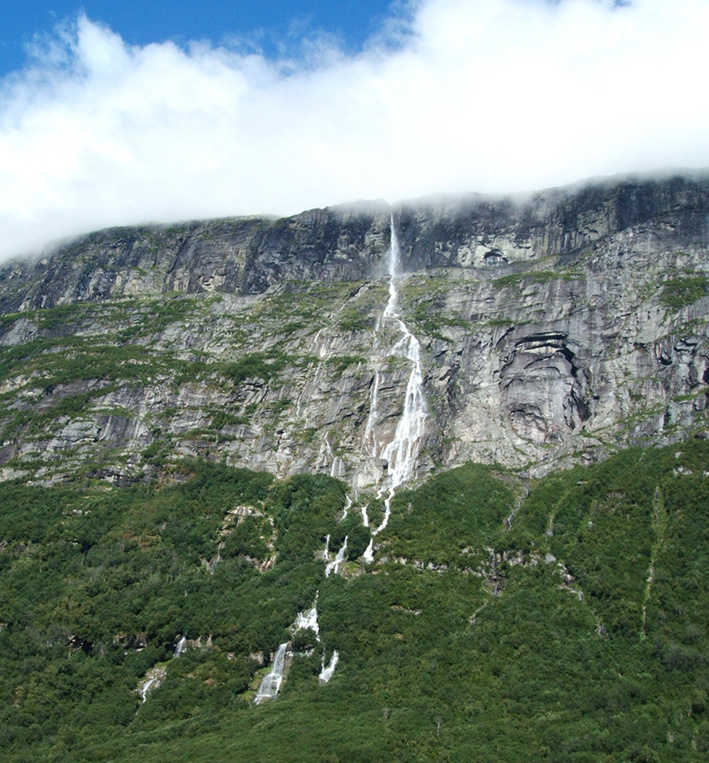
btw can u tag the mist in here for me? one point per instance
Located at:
(451, 96)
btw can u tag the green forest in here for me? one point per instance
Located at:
(560, 619)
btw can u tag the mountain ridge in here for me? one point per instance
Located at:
(557, 222)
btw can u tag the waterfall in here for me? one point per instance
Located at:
(271, 683)
(337, 468)
(327, 672)
(309, 619)
(180, 648)
(339, 559)
(348, 504)
(400, 455)
(402, 452)
(152, 680)
(146, 687)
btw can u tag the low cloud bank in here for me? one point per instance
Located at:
(451, 96)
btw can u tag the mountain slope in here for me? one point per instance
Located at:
(578, 633)
(428, 483)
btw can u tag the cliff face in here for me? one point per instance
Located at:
(348, 243)
(552, 329)
(240, 256)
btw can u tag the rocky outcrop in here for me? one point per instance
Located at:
(475, 231)
(242, 256)
(553, 329)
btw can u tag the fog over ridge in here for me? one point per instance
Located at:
(454, 96)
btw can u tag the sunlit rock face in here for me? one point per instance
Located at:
(549, 330)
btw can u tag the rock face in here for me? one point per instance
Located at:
(239, 256)
(553, 329)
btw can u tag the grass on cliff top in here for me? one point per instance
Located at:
(550, 641)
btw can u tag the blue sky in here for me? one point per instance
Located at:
(125, 113)
(268, 23)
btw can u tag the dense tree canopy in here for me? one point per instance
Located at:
(568, 623)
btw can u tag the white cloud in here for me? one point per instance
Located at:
(477, 95)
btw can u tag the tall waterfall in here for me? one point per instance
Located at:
(271, 683)
(402, 452)
(400, 455)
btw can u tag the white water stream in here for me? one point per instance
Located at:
(309, 619)
(180, 648)
(327, 672)
(402, 452)
(400, 455)
(334, 566)
(146, 687)
(348, 505)
(153, 679)
(271, 683)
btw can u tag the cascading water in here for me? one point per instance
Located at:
(308, 620)
(146, 687)
(402, 452)
(327, 672)
(348, 505)
(152, 680)
(337, 467)
(180, 648)
(271, 683)
(400, 456)
(334, 566)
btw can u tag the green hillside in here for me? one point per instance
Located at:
(574, 630)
